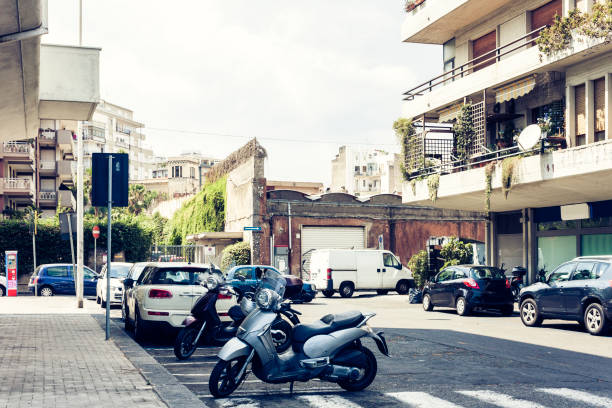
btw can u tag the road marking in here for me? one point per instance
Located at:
(328, 401)
(421, 400)
(581, 396)
(193, 375)
(237, 403)
(206, 382)
(501, 400)
(189, 363)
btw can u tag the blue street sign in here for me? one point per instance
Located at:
(252, 228)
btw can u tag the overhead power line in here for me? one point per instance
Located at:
(276, 139)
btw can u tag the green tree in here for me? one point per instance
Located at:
(236, 254)
(456, 252)
(419, 266)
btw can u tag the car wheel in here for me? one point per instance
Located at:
(595, 319)
(507, 310)
(139, 330)
(402, 287)
(461, 306)
(328, 293)
(382, 291)
(102, 304)
(2, 291)
(427, 305)
(98, 300)
(127, 322)
(346, 290)
(46, 291)
(530, 315)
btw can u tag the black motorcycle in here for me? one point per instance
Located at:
(204, 324)
(517, 282)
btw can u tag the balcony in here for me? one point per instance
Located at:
(65, 142)
(65, 199)
(546, 178)
(510, 62)
(17, 187)
(64, 172)
(47, 198)
(46, 137)
(47, 168)
(17, 151)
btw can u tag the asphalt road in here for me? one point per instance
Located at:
(438, 359)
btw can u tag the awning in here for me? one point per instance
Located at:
(515, 89)
(450, 113)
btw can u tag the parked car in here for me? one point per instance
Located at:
(348, 270)
(469, 287)
(164, 293)
(245, 278)
(580, 290)
(3, 285)
(55, 279)
(119, 271)
(128, 283)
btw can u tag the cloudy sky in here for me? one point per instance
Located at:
(205, 75)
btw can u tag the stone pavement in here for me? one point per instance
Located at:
(62, 360)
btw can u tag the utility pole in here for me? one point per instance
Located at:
(79, 271)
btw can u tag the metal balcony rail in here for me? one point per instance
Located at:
(17, 147)
(47, 134)
(472, 65)
(47, 195)
(47, 165)
(16, 183)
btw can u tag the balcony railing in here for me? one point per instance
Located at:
(412, 4)
(47, 165)
(47, 195)
(17, 147)
(474, 64)
(47, 135)
(16, 184)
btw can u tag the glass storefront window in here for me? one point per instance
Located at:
(596, 244)
(553, 251)
(597, 222)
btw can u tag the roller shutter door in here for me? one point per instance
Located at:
(600, 106)
(580, 110)
(329, 238)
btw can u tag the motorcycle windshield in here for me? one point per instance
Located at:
(274, 281)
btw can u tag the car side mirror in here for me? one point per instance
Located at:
(128, 282)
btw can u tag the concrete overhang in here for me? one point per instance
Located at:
(437, 21)
(22, 22)
(69, 82)
(569, 176)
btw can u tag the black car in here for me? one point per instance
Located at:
(580, 290)
(468, 287)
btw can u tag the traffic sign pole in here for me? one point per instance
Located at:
(96, 234)
(108, 243)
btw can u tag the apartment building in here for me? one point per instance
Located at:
(549, 199)
(114, 130)
(366, 172)
(16, 176)
(178, 176)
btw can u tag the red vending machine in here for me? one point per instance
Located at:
(11, 272)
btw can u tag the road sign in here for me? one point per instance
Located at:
(95, 231)
(11, 273)
(258, 229)
(67, 226)
(100, 176)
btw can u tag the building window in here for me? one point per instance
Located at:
(177, 171)
(599, 88)
(553, 251)
(595, 244)
(448, 54)
(192, 172)
(356, 169)
(364, 183)
(580, 112)
(482, 50)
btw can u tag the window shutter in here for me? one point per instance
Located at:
(600, 98)
(482, 47)
(580, 110)
(545, 15)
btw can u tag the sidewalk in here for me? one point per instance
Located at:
(62, 360)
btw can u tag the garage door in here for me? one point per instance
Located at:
(329, 238)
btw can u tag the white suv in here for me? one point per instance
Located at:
(3, 285)
(119, 271)
(164, 294)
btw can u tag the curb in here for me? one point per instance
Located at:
(170, 391)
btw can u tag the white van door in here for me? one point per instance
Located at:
(369, 270)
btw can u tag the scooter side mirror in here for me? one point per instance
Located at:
(241, 278)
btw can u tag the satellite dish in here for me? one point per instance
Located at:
(529, 137)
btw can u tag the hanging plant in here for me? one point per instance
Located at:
(404, 130)
(489, 168)
(433, 182)
(508, 177)
(464, 133)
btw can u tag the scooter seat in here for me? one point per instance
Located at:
(327, 324)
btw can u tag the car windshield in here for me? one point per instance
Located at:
(179, 276)
(274, 281)
(119, 271)
(487, 272)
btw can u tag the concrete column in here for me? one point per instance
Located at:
(589, 94)
(567, 6)
(524, 223)
(608, 106)
(532, 258)
(570, 116)
(487, 236)
(493, 240)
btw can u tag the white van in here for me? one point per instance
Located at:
(348, 270)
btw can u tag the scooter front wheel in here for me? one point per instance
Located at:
(223, 379)
(184, 345)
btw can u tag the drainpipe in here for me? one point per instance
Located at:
(290, 236)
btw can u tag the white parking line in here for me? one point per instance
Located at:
(192, 375)
(237, 403)
(501, 400)
(328, 401)
(580, 396)
(189, 363)
(421, 400)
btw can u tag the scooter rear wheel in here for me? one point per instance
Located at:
(368, 373)
(183, 345)
(222, 381)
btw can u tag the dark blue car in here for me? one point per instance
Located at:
(245, 278)
(55, 279)
(468, 287)
(580, 290)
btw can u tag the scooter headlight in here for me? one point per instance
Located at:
(264, 298)
(212, 282)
